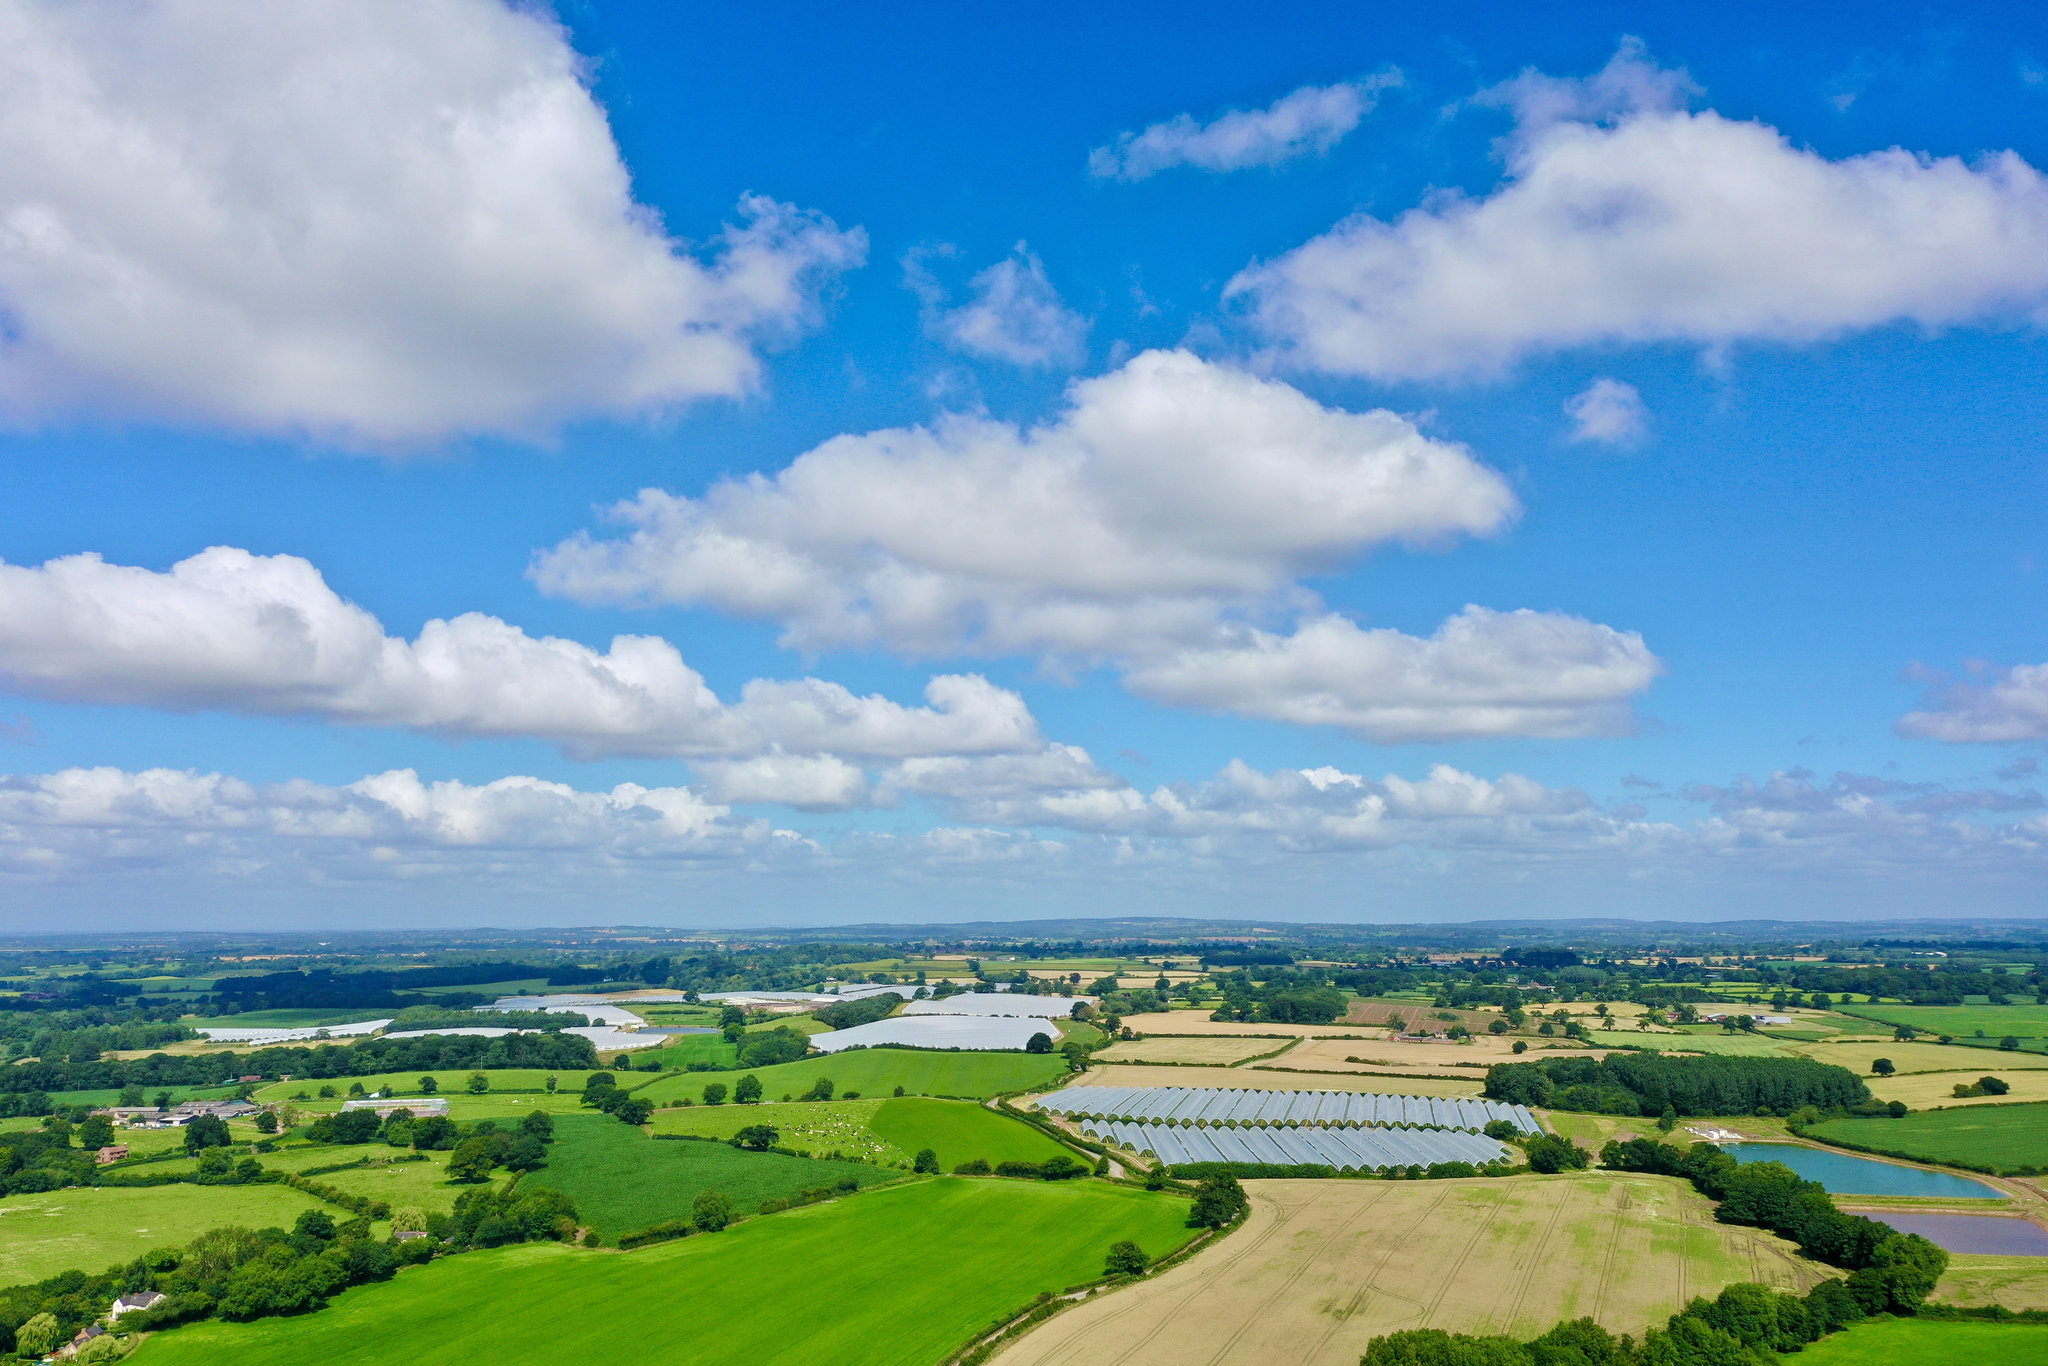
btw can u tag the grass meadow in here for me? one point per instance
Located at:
(1929, 1342)
(91, 1228)
(452, 1083)
(622, 1181)
(839, 1126)
(959, 1131)
(897, 1277)
(1917, 1056)
(2002, 1137)
(1322, 1267)
(879, 1071)
(2024, 1021)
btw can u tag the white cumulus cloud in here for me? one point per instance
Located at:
(1151, 526)
(266, 635)
(1166, 492)
(1609, 413)
(2012, 706)
(104, 821)
(1626, 218)
(380, 222)
(1482, 673)
(1012, 313)
(1308, 122)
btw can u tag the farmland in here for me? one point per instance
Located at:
(1262, 1079)
(1440, 1057)
(817, 1127)
(2001, 1137)
(1321, 1267)
(92, 1228)
(896, 1277)
(958, 1131)
(1218, 1051)
(1916, 1056)
(622, 1181)
(451, 1084)
(1926, 1090)
(2023, 1021)
(879, 1071)
(2011, 1282)
(1917, 1342)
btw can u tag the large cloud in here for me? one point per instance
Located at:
(1153, 525)
(2012, 706)
(266, 635)
(379, 221)
(1168, 491)
(1625, 218)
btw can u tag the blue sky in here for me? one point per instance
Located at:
(1338, 466)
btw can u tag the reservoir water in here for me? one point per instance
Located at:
(1989, 1234)
(1844, 1174)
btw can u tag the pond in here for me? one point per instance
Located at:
(1844, 1174)
(1986, 1234)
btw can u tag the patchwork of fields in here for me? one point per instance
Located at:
(886, 1131)
(897, 1277)
(879, 1071)
(1321, 1267)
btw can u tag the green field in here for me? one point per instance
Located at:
(2003, 1137)
(424, 1185)
(1929, 1342)
(897, 1277)
(879, 1071)
(90, 1228)
(2025, 1021)
(689, 1048)
(623, 1181)
(959, 1131)
(889, 1132)
(179, 1094)
(819, 1127)
(452, 1082)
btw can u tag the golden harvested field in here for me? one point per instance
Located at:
(1920, 1057)
(1469, 1058)
(1198, 1022)
(1262, 1079)
(1927, 1090)
(2014, 1282)
(1215, 1050)
(1321, 1267)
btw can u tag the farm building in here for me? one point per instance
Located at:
(134, 1300)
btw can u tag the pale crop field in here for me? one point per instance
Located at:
(1260, 1079)
(1469, 1058)
(1198, 1022)
(1322, 1267)
(2015, 1282)
(1927, 1090)
(1207, 1050)
(1921, 1057)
